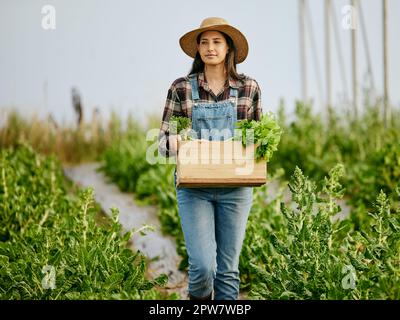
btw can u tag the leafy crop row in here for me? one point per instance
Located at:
(50, 244)
(369, 151)
(299, 251)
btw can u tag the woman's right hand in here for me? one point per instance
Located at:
(173, 144)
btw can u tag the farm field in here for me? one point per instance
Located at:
(325, 226)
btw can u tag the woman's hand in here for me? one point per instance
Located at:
(173, 144)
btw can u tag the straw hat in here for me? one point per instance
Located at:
(188, 40)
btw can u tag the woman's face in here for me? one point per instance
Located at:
(212, 47)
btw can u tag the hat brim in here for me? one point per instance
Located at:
(189, 45)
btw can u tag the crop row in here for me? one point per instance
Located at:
(51, 246)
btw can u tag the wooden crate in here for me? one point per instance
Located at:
(202, 163)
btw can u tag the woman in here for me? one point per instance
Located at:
(213, 96)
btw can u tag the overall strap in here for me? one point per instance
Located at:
(233, 92)
(195, 88)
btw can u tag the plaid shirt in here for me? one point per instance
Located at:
(179, 102)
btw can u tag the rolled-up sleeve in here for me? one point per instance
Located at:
(172, 107)
(255, 110)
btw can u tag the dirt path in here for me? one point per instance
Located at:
(160, 249)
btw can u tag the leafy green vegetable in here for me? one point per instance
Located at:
(265, 134)
(182, 126)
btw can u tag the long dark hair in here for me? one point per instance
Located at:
(230, 60)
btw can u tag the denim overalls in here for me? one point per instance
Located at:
(214, 219)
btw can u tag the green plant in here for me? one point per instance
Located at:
(265, 134)
(182, 126)
(298, 251)
(51, 246)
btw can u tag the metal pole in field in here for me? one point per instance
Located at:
(328, 8)
(354, 58)
(386, 107)
(339, 49)
(303, 57)
(310, 29)
(363, 28)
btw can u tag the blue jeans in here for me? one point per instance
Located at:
(214, 222)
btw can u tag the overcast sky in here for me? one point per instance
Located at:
(123, 55)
